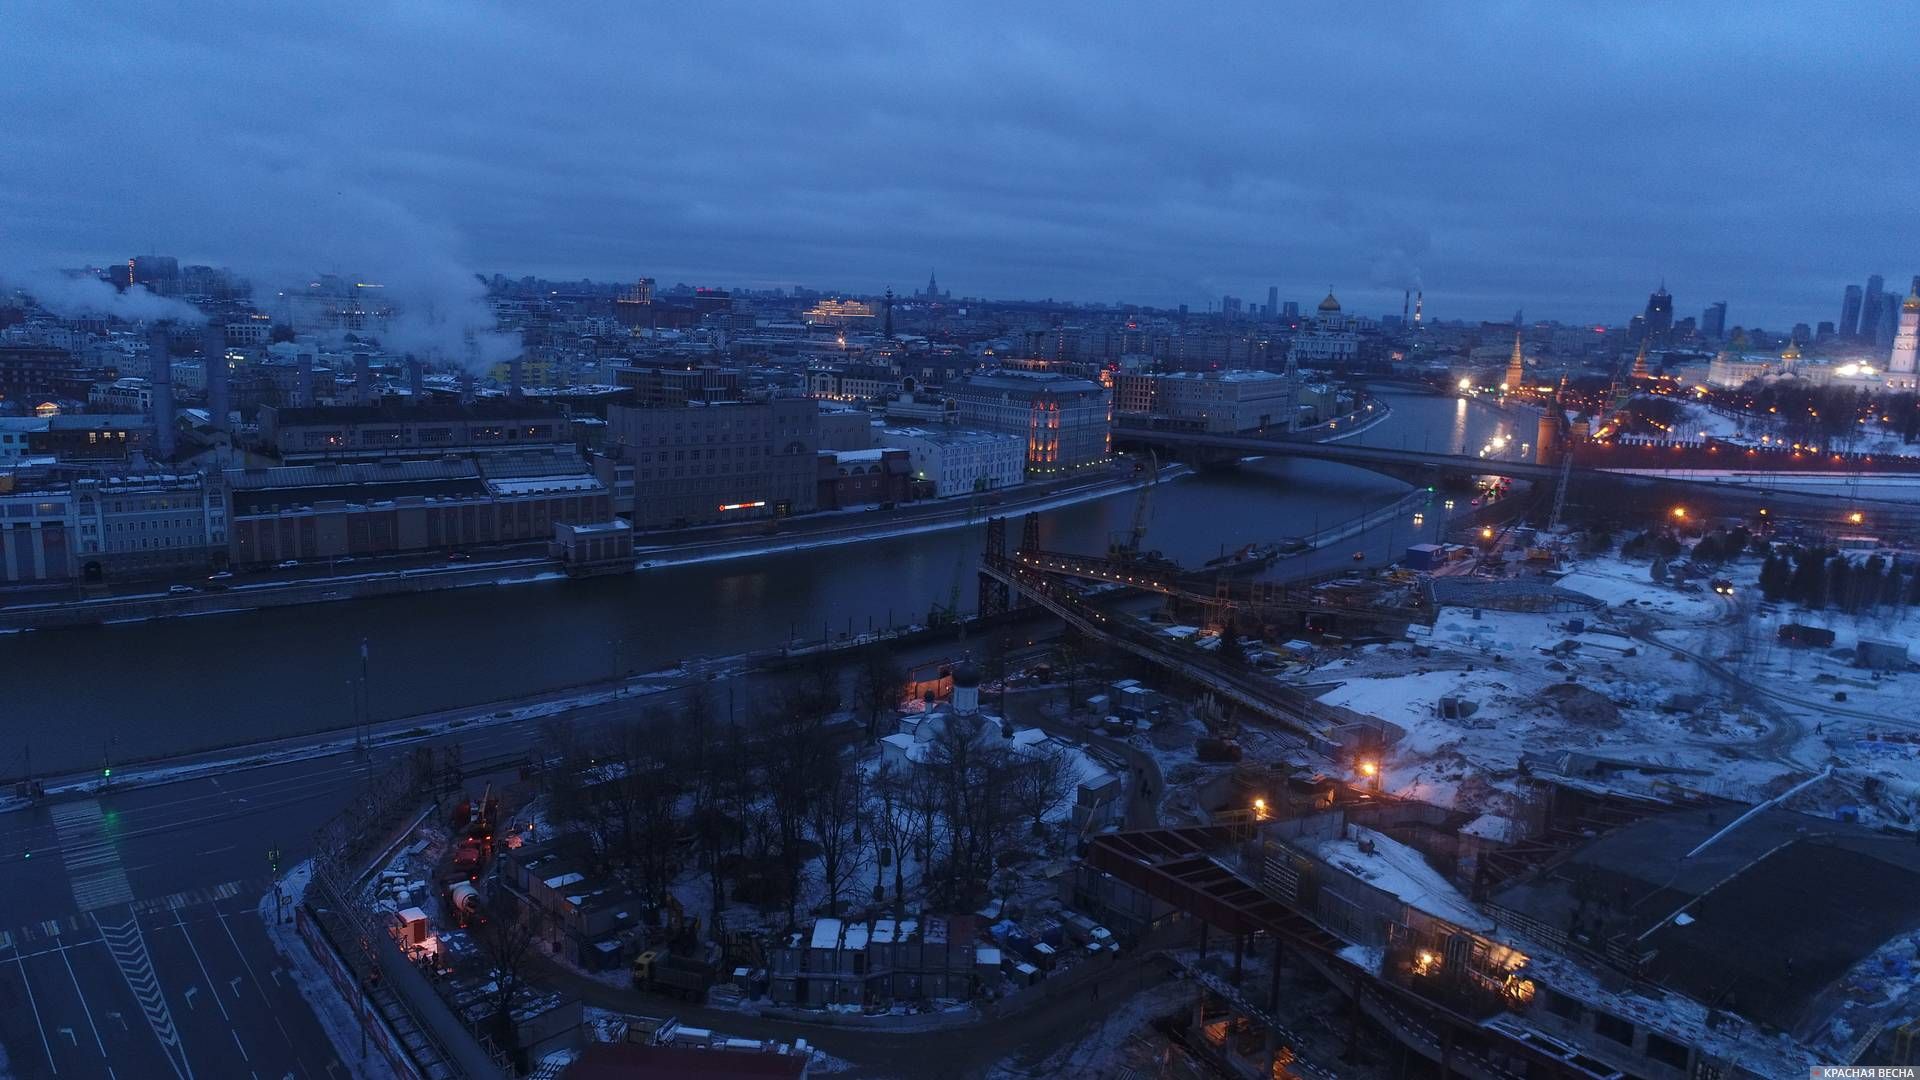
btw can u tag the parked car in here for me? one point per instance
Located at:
(287, 564)
(458, 556)
(220, 575)
(181, 590)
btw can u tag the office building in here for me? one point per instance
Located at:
(1850, 312)
(675, 383)
(1872, 303)
(1713, 322)
(1273, 301)
(1659, 315)
(1221, 402)
(1066, 421)
(727, 461)
(959, 462)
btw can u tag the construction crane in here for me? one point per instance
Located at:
(1127, 546)
(950, 613)
(1560, 488)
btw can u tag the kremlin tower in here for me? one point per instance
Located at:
(1516, 367)
(1640, 362)
(1906, 345)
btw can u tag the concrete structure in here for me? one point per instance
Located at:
(676, 383)
(721, 462)
(1212, 401)
(127, 526)
(1729, 369)
(854, 963)
(160, 375)
(959, 462)
(1067, 422)
(845, 429)
(853, 382)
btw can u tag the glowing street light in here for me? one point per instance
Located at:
(1486, 532)
(1466, 385)
(1679, 513)
(1369, 769)
(1856, 518)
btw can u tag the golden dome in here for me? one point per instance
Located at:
(1329, 304)
(1912, 302)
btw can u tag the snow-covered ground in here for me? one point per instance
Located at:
(1666, 687)
(333, 1011)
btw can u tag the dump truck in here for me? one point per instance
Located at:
(663, 972)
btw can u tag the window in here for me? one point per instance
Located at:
(1666, 1051)
(1562, 1006)
(1613, 1027)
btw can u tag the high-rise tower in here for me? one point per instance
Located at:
(1901, 373)
(887, 326)
(1640, 362)
(1850, 312)
(1516, 366)
(1659, 315)
(1873, 306)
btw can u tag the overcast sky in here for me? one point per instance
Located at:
(1560, 158)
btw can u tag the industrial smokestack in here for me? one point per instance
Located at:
(514, 373)
(416, 379)
(160, 377)
(466, 388)
(362, 379)
(1406, 302)
(213, 347)
(1419, 298)
(303, 380)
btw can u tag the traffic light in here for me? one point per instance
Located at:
(106, 772)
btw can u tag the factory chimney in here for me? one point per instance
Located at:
(515, 368)
(213, 349)
(362, 379)
(416, 380)
(1406, 301)
(160, 377)
(466, 388)
(303, 380)
(1419, 298)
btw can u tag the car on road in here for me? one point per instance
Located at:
(1722, 586)
(1359, 556)
(181, 590)
(287, 564)
(458, 556)
(220, 575)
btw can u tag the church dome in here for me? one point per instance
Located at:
(1912, 303)
(966, 674)
(1330, 305)
(1792, 351)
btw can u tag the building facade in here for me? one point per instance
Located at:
(1906, 344)
(960, 462)
(1067, 422)
(712, 463)
(311, 434)
(1213, 401)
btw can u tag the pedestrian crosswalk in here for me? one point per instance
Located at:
(129, 950)
(93, 863)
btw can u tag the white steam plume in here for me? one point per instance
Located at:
(72, 295)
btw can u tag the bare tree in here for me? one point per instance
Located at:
(1043, 782)
(713, 773)
(878, 684)
(794, 757)
(509, 934)
(890, 824)
(834, 824)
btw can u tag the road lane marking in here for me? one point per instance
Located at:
(31, 1004)
(243, 957)
(204, 973)
(92, 860)
(243, 1050)
(128, 947)
(82, 995)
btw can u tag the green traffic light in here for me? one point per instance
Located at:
(106, 772)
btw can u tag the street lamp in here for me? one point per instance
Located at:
(1856, 518)
(1679, 513)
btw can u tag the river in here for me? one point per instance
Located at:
(170, 686)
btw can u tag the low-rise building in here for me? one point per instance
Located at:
(840, 962)
(864, 477)
(960, 462)
(409, 430)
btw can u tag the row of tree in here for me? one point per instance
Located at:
(1816, 578)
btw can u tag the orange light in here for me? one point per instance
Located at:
(1856, 517)
(1680, 513)
(1368, 768)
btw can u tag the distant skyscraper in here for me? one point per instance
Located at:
(1884, 330)
(1659, 317)
(1802, 333)
(1871, 304)
(1290, 309)
(1273, 300)
(1906, 345)
(1823, 329)
(1850, 312)
(1713, 322)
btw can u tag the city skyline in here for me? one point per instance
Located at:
(862, 150)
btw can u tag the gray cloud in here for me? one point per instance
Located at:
(1502, 155)
(73, 296)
